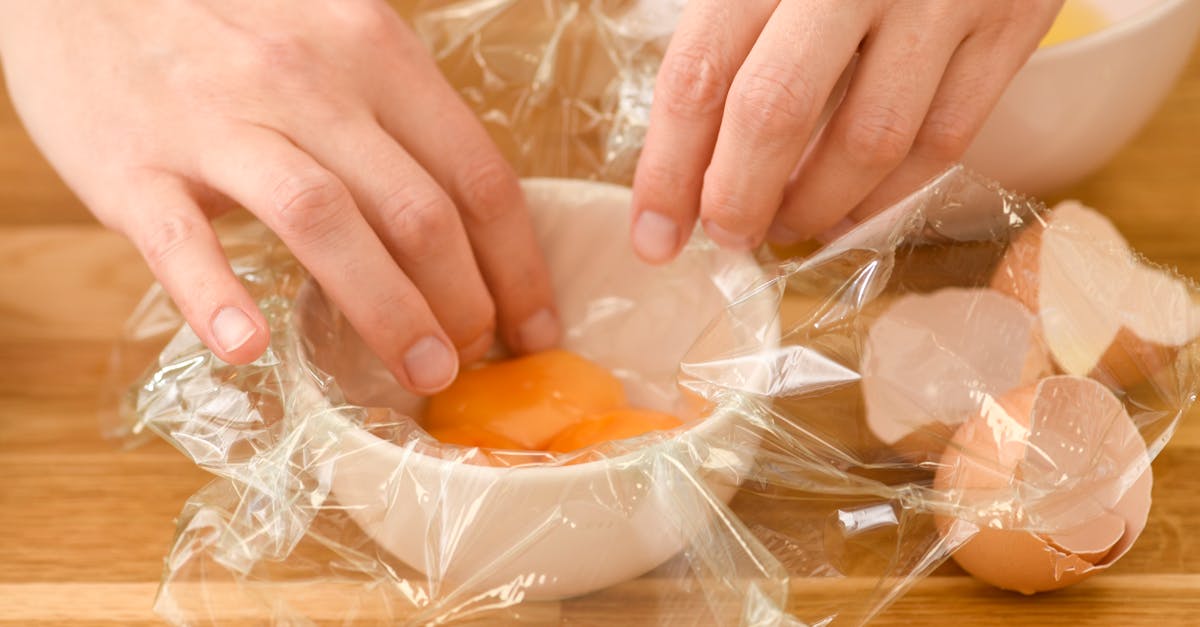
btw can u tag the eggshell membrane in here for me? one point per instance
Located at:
(929, 360)
(1101, 311)
(1033, 438)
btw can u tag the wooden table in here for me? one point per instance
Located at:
(84, 526)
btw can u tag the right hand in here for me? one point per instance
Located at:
(735, 139)
(331, 123)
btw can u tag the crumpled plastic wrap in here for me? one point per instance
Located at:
(838, 446)
(563, 86)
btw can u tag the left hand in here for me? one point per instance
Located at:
(743, 85)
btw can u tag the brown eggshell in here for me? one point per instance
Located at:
(1130, 360)
(1017, 273)
(924, 443)
(1068, 444)
(1160, 318)
(929, 360)
(1101, 311)
(1091, 542)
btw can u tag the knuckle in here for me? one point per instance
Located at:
(489, 191)
(661, 178)
(692, 80)
(365, 21)
(878, 135)
(723, 207)
(165, 236)
(1006, 15)
(771, 99)
(396, 316)
(945, 136)
(306, 205)
(421, 222)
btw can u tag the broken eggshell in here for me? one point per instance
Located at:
(1060, 455)
(929, 359)
(1103, 312)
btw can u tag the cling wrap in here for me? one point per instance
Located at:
(853, 418)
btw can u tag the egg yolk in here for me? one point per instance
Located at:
(551, 401)
(527, 400)
(472, 435)
(1076, 19)
(618, 424)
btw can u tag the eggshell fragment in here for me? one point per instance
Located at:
(1092, 541)
(1103, 313)
(930, 359)
(1055, 455)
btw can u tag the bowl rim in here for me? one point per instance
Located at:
(1110, 32)
(333, 415)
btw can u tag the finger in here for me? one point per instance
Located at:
(446, 138)
(417, 222)
(710, 43)
(873, 129)
(973, 83)
(773, 107)
(167, 226)
(313, 213)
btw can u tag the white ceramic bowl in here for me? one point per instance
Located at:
(1075, 104)
(556, 531)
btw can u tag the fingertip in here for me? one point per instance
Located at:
(655, 237)
(780, 235)
(728, 239)
(430, 365)
(539, 332)
(237, 337)
(841, 228)
(478, 348)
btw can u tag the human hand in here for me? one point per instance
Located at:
(327, 120)
(743, 86)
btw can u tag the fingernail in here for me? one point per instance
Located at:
(539, 331)
(478, 347)
(655, 236)
(780, 234)
(726, 238)
(430, 364)
(232, 328)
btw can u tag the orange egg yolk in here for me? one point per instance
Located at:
(555, 400)
(472, 435)
(1076, 19)
(618, 424)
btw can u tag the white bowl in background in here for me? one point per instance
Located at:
(1075, 104)
(546, 532)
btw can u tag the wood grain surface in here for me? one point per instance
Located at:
(84, 526)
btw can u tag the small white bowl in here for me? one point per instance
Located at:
(1075, 104)
(549, 531)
